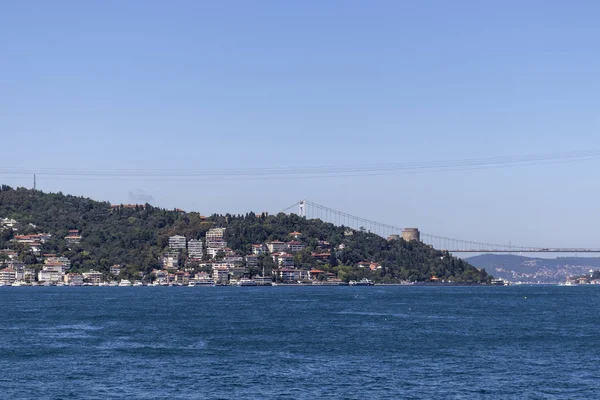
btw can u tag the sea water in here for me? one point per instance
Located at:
(392, 342)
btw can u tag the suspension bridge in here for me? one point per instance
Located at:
(311, 210)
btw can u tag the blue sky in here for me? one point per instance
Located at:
(234, 84)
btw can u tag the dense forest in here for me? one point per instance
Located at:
(137, 237)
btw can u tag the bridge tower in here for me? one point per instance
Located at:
(302, 208)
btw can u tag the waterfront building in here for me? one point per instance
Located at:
(292, 275)
(220, 274)
(52, 272)
(94, 277)
(73, 279)
(7, 276)
(29, 274)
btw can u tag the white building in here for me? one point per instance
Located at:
(220, 274)
(285, 260)
(93, 277)
(7, 276)
(73, 279)
(51, 273)
(73, 237)
(177, 242)
(292, 275)
(215, 234)
(7, 223)
(195, 248)
(295, 246)
(258, 249)
(115, 269)
(234, 259)
(59, 260)
(212, 252)
(170, 261)
(29, 274)
(276, 246)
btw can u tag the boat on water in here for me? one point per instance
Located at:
(138, 283)
(263, 280)
(113, 283)
(362, 282)
(60, 284)
(331, 283)
(205, 282)
(191, 284)
(125, 282)
(247, 282)
(499, 282)
(18, 283)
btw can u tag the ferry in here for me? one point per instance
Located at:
(331, 283)
(205, 282)
(125, 282)
(247, 282)
(263, 280)
(362, 282)
(499, 282)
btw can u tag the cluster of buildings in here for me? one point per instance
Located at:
(213, 254)
(179, 263)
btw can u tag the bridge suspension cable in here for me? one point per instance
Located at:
(312, 210)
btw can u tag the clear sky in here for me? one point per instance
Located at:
(247, 84)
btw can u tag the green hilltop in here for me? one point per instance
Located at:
(137, 237)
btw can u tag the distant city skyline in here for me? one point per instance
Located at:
(207, 86)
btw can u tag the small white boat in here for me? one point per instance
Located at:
(362, 282)
(18, 283)
(60, 284)
(138, 283)
(125, 282)
(191, 284)
(246, 282)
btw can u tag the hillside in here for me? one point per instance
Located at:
(138, 237)
(534, 269)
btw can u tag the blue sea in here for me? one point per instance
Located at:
(388, 342)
